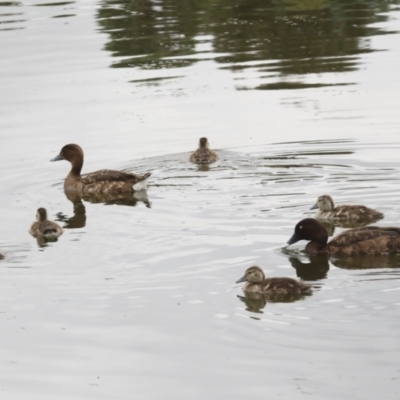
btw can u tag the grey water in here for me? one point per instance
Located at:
(137, 299)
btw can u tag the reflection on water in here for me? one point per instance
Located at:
(78, 220)
(316, 268)
(125, 198)
(286, 44)
(368, 262)
(255, 302)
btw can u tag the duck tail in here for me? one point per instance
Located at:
(142, 183)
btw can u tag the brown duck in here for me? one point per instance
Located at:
(43, 228)
(105, 180)
(258, 283)
(369, 240)
(203, 155)
(327, 210)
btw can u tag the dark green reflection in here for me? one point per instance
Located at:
(277, 39)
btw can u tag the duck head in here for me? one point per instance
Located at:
(253, 274)
(41, 214)
(310, 229)
(324, 203)
(72, 153)
(203, 142)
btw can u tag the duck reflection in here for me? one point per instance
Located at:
(368, 262)
(124, 199)
(316, 268)
(255, 302)
(78, 220)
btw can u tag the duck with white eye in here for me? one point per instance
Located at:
(258, 283)
(368, 240)
(203, 155)
(328, 211)
(43, 228)
(103, 181)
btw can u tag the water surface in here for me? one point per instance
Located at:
(138, 295)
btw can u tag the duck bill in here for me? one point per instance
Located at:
(242, 279)
(314, 207)
(57, 158)
(292, 240)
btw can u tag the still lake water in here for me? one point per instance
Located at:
(137, 299)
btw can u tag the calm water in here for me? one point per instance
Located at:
(137, 298)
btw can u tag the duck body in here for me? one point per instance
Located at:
(104, 181)
(43, 228)
(367, 240)
(203, 155)
(257, 283)
(328, 211)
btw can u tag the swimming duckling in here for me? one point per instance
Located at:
(371, 240)
(203, 155)
(257, 283)
(43, 228)
(327, 210)
(105, 180)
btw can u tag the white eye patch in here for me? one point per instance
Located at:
(301, 227)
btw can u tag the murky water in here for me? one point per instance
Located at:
(137, 298)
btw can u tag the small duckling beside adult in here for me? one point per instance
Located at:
(203, 155)
(105, 180)
(367, 240)
(257, 283)
(328, 211)
(42, 228)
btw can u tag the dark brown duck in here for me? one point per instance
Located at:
(368, 240)
(258, 283)
(105, 180)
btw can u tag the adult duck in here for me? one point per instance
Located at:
(43, 228)
(105, 180)
(328, 211)
(258, 283)
(369, 240)
(203, 155)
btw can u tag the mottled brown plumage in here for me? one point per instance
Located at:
(369, 240)
(43, 228)
(203, 155)
(328, 211)
(105, 180)
(257, 283)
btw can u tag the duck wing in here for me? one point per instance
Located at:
(112, 176)
(355, 212)
(371, 240)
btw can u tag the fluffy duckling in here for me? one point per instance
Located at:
(369, 240)
(327, 210)
(105, 180)
(43, 228)
(257, 283)
(203, 155)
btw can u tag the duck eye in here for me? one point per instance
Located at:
(301, 227)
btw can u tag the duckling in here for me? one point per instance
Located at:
(327, 210)
(368, 240)
(257, 283)
(105, 180)
(43, 228)
(203, 155)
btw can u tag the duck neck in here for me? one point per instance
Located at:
(76, 168)
(316, 246)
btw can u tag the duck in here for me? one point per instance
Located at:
(43, 228)
(203, 155)
(258, 283)
(367, 240)
(328, 211)
(104, 181)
